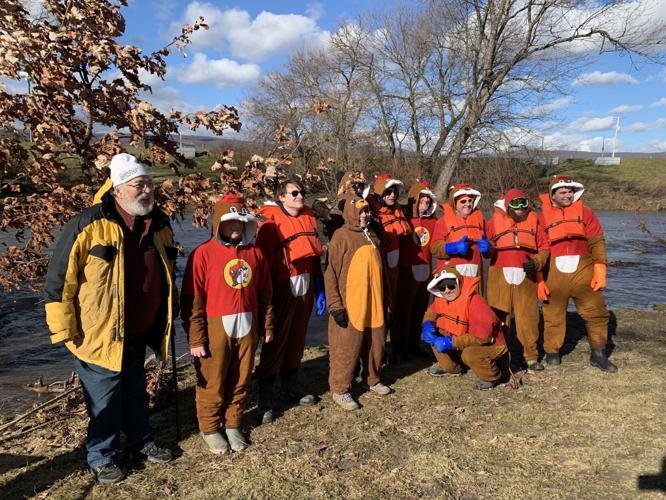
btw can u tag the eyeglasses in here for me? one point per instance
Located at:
(296, 192)
(519, 203)
(141, 186)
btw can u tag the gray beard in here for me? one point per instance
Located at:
(138, 209)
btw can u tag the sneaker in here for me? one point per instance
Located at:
(307, 400)
(236, 439)
(436, 371)
(108, 474)
(552, 358)
(267, 416)
(379, 389)
(346, 401)
(534, 366)
(484, 385)
(216, 443)
(156, 455)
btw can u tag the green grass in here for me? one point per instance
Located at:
(640, 172)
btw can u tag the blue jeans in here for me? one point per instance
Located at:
(116, 401)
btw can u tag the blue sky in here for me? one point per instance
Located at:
(249, 39)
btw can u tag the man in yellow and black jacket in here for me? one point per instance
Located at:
(109, 293)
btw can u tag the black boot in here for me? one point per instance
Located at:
(599, 360)
(552, 358)
(291, 389)
(266, 399)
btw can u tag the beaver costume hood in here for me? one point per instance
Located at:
(463, 189)
(443, 272)
(233, 207)
(418, 189)
(384, 182)
(352, 210)
(346, 185)
(560, 181)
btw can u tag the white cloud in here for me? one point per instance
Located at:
(661, 122)
(627, 108)
(660, 102)
(597, 78)
(573, 142)
(657, 144)
(639, 127)
(219, 72)
(314, 10)
(253, 39)
(551, 107)
(594, 124)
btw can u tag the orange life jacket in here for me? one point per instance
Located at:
(562, 223)
(472, 226)
(512, 234)
(393, 220)
(298, 235)
(453, 317)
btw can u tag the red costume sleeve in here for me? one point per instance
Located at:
(437, 248)
(193, 300)
(483, 321)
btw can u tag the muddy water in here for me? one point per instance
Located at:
(635, 280)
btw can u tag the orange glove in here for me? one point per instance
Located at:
(542, 289)
(598, 277)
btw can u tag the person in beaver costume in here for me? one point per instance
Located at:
(226, 308)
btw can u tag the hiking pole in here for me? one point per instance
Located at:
(172, 341)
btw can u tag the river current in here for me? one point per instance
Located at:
(636, 280)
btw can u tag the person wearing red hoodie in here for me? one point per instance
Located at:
(519, 253)
(226, 307)
(462, 328)
(460, 237)
(415, 267)
(577, 270)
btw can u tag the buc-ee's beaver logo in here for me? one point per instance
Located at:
(421, 236)
(237, 273)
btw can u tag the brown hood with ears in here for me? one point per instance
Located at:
(233, 207)
(346, 185)
(352, 210)
(418, 189)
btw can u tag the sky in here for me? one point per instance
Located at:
(249, 39)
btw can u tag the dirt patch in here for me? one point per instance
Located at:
(571, 431)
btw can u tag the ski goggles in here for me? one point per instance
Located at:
(519, 203)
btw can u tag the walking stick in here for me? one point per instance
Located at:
(172, 341)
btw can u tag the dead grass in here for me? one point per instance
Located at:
(569, 432)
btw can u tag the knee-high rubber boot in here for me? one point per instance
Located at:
(266, 399)
(599, 360)
(292, 391)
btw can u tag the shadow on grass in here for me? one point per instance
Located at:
(656, 482)
(42, 477)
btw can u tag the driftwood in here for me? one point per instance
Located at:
(37, 408)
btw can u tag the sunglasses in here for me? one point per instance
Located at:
(390, 191)
(447, 284)
(519, 203)
(466, 201)
(296, 192)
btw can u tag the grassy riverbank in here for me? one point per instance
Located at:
(569, 432)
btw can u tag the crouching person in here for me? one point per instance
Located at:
(354, 282)
(226, 306)
(462, 328)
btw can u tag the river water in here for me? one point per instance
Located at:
(635, 280)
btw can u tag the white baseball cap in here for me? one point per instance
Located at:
(125, 167)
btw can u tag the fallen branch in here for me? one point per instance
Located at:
(37, 408)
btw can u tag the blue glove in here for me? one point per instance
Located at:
(483, 244)
(320, 297)
(443, 344)
(428, 331)
(459, 247)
